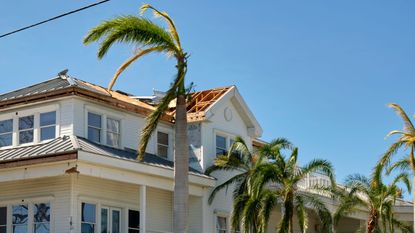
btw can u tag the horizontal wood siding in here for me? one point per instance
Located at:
(159, 210)
(195, 214)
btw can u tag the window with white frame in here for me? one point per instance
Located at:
(113, 132)
(41, 217)
(26, 129)
(3, 219)
(6, 133)
(221, 224)
(221, 145)
(88, 218)
(133, 221)
(47, 125)
(20, 216)
(94, 127)
(162, 144)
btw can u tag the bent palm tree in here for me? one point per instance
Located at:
(278, 182)
(152, 38)
(374, 195)
(406, 141)
(240, 160)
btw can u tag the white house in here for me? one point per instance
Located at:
(67, 161)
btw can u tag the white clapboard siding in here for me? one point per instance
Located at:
(66, 117)
(159, 210)
(56, 188)
(195, 214)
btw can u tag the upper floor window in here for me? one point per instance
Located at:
(47, 125)
(94, 127)
(221, 225)
(221, 147)
(41, 217)
(113, 132)
(88, 218)
(133, 221)
(3, 219)
(162, 144)
(26, 129)
(6, 133)
(20, 218)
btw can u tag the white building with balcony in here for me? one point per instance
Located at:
(68, 161)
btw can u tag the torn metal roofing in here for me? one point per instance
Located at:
(71, 144)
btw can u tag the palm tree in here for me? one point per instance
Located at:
(151, 38)
(374, 195)
(244, 162)
(279, 182)
(406, 141)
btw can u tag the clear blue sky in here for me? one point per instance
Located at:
(317, 72)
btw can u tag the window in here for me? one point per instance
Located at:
(26, 125)
(113, 132)
(3, 219)
(94, 127)
(20, 218)
(47, 125)
(88, 218)
(133, 221)
(221, 148)
(162, 144)
(41, 218)
(221, 225)
(6, 133)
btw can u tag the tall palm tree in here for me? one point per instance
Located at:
(406, 141)
(377, 197)
(151, 38)
(279, 182)
(244, 163)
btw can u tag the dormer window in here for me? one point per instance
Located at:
(162, 144)
(221, 147)
(113, 132)
(26, 128)
(6, 133)
(94, 127)
(47, 125)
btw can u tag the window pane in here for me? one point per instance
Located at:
(104, 220)
(94, 134)
(42, 228)
(41, 212)
(162, 138)
(6, 140)
(162, 151)
(87, 228)
(88, 212)
(94, 120)
(6, 126)
(47, 133)
(113, 125)
(115, 221)
(19, 214)
(47, 118)
(20, 229)
(113, 139)
(3, 216)
(133, 219)
(26, 122)
(220, 142)
(3, 229)
(221, 151)
(25, 136)
(221, 223)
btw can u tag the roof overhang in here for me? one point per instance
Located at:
(233, 95)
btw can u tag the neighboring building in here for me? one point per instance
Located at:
(67, 160)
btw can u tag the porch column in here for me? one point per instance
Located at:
(143, 208)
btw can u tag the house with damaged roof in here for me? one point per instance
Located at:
(68, 161)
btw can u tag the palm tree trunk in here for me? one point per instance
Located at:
(181, 168)
(372, 222)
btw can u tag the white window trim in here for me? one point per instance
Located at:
(222, 215)
(46, 126)
(228, 136)
(35, 111)
(170, 141)
(30, 203)
(104, 115)
(101, 136)
(12, 132)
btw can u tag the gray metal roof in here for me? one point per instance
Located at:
(69, 144)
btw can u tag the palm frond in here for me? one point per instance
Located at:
(318, 165)
(235, 179)
(392, 150)
(131, 60)
(320, 208)
(129, 29)
(408, 126)
(301, 213)
(404, 178)
(403, 165)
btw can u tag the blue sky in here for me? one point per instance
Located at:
(317, 72)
